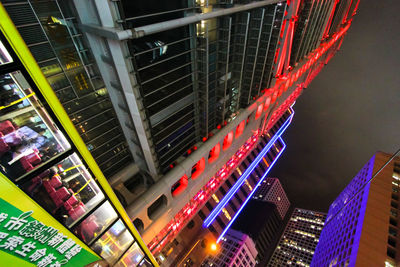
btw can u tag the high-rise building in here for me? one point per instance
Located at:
(166, 95)
(361, 228)
(262, 222)
(298, 241)
(236, 249)
(271, 190)
(218, 213)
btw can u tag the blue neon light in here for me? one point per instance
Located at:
(252, 192)
(245, 175)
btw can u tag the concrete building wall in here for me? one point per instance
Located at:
(373, 247)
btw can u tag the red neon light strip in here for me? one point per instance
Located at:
(355, 9)
(291, 25)
(347, 13)
(172, 229)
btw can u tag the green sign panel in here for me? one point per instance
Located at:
(22, 236)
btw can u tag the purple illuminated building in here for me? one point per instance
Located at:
(362, 223)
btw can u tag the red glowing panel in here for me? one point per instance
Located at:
(267, 103)
(259, 110)
(281, 89)
(274, 96)
(240, 129)
(292, 79)
(287, 83)
(214, 153)
(198, 168)
(227, 141)
(179, 186)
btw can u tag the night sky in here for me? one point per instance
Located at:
(350, 111)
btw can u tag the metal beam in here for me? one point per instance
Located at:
(135, 33)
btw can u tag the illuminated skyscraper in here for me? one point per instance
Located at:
(236, 249)
(297, 244)
(170, 97)
(272, 191)
(361, 228)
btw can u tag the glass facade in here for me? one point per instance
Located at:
(195, 78)
(37, 154)
(49, 29)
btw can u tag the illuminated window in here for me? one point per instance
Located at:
(132, 257)
(259, 111)
(214, 153)
(4, 55)
(239, 129)
(226, 213)
(215, 198)
(227, 141)
(248, 185)
(198, 168)
(112, 243)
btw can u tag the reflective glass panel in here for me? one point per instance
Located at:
(28, 136)
(4, 55)
(132, 257)
(115, 241)
(67, 190)
(145, 263)
(93, 225)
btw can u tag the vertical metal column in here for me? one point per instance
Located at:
(195, 74)
(277, 32)
(267, 50)
(298, 55)
(310, 29)
(226, 67)
(256, 55)
(243, 58)
(317, 23)
(324, 23)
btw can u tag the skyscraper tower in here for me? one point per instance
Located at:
(272, 191)
(237, 249)
(361, 228)
(298, 241)
(165, 94)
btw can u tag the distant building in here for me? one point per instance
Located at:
(361, 228)
(236, 249)
(261, 221)
(297, 244)
(217, 214)
(271, 190)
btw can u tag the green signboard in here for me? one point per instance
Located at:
(22, 236)
(30, 236)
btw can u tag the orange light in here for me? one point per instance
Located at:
(213, 247)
